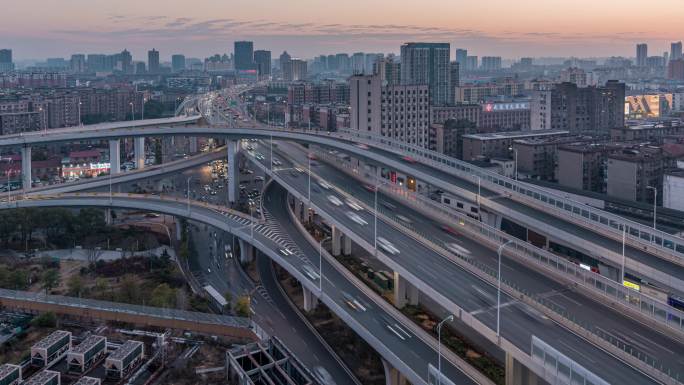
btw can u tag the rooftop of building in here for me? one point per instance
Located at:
(515, 134)
(637, 153)
(87, 381)
(6, 369)
(553, 140)
(87, 344)
(41, 378)
(124, 350)
(51, 339)
(586, 147)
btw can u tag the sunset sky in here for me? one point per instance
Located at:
(49, 28)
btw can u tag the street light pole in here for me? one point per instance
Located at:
(189, 194)
(132, 113)
(449, 318)
(309, 187)
(655, 202)
(375, 216)
(498, 291)
(80, 121)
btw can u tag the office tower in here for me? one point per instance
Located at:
(641, 54)
(331, 61)
(676, 51)
(153, 61)
(177, 63)
(491, 63)
(461, 55)
(455, 79)
(78, 63)
(370, 60)
(284, 62)
(244, 55)
(471, 63)
(262, 60)
(526, 62)
(6, 60)
(140, 68)
(427, 64)
(381, 110)
(675, 69)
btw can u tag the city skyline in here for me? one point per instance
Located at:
(536, 28)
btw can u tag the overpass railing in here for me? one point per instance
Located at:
(670, 246)
(645, 305)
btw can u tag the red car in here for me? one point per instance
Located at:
(368, 187)
(449, 230)
(409, 159)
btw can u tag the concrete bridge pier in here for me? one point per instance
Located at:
(233, 185)
(404, 292)
(139, 149)
(310, 299)
(246, 252)
(108, 216)
(192, 144)
(26, 181)
(115, 156)
(347, 247)
(336, 241)
(179, 229)
(519, 374)
(392, 375)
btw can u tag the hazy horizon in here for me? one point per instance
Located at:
(538, 28)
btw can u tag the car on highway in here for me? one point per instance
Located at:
(286, 252)
(456, 249)
(352, 302)
(449, 229)
(310, 272)
(408, 159)
(362, 146)
(387, 205)
(353, 204)
(356, 218)
(387, 246)
(369, 187)
(334, 200)
(324, 185)
(404, 219)
(258, 178)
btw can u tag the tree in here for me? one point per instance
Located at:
(242, 306)
(228, 296)
(45, 320)
(75, 285)
(163, 296)
(50, 279)
(130, 290)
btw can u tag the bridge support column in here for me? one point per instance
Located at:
(139, 149)
(246, 252)
(26, 181)
(347, 246)
(310, 300)
(192, 144)
(336, 241)
(108, 216)
(519, 374)
(233, 184)
(404, 292)
(179, 229)
(392, 375)
(115, 156)
(299, 207)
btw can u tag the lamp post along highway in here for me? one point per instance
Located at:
(320, 264)
(498, 291)
(9, 188)
(655, 203)
(449, 318)
(188, 194)
(309, 186)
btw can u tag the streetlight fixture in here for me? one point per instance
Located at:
(449, 318)
(308, 156)
(132, 113)
(498, 291)
(375, 214)
(655, 203)
(80, 121)
(320, 264)
(9, 188)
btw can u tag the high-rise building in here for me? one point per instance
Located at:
(400, 112)
(389, 70)
(675, 69)
(461, 55)
(454, 78)
(244, 55)
(641, 54)
(370, 60)
(124, 62)
(491, 63)
(427, 64)
(262, 60)
(140, 68)
(298, 70)
(153, 61)
(331, 62)
(358, 63)
(78, 63)
(6, 60)
(97, 63)
(676, 51)
(587, 110)
(471, 63)
(343, 62)
(177, 63)
(285, 63)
